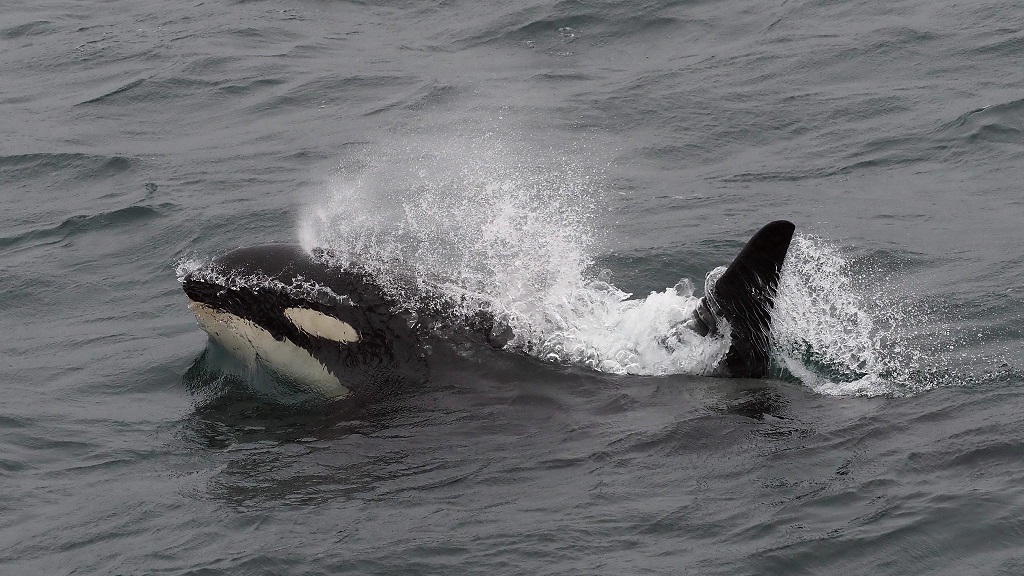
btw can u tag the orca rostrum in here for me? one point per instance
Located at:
(337, 330)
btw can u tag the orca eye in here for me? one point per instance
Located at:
(319, 324)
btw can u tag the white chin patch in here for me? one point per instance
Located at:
(249, 342)
(319, 324)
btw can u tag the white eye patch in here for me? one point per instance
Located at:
(251, 343)
(319, 324)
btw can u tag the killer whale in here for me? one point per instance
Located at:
(337, 330)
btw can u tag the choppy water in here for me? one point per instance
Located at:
(514, 152)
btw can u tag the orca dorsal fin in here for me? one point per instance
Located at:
(744, 295)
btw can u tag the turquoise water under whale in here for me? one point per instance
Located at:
(517, 152)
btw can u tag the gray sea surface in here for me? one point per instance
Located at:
(655, 137)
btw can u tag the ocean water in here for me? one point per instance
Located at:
(570, 163)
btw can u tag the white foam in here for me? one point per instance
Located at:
(208, 271)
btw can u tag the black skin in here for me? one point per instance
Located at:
(745, 295)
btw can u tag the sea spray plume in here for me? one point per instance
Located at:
(487, 223)
(488, 226)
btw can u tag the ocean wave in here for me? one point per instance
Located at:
(35, 28)
(71, 166)
(84, 223)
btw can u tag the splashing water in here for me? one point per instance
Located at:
(843, 339)
(486, 226)
(489, 226)
(480, 223)
(207, 270)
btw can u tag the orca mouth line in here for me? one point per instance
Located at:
(310, 320)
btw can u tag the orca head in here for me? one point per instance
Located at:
(311, 322)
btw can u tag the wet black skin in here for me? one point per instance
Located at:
(744, 296)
